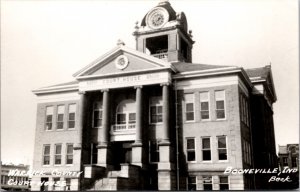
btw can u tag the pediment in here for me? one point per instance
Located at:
(122, 60)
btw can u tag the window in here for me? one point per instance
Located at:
(97, 114)
(43, 186)
(131, 118)
(222, 151)
(49, 117)
(189, 107)
(121, 118)
(154, 151)
(60, 116)
(71, 121)
(56, 183)
(46, 155)
(285, 161)
(224, 183)
(207, 182)
(155, 114)
(68, 184)
(220, 104)
(94, 152)
(190, 149)
(69, 157)
(192, 183)
(57, 156)
(206, 153)
(204, 105)
(247, 113)
(156, 110)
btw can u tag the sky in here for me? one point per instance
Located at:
(45, 42)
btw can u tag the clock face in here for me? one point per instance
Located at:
(157, 17)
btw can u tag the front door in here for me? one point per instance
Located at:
(122, 153)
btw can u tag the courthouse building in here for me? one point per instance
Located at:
(149, 118)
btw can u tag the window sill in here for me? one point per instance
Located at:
(160, 123)
(69, 165)
(205, 120)
(58, 165)
(46, 165)
(208, 161)
(221, 119)
(190, 121)
(193, 162)
(223, 161)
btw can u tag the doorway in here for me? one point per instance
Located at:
(122, 153)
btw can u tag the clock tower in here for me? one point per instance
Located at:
(163, 33)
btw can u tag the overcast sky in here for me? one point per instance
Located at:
(45, 42)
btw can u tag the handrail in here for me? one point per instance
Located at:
(123, 127)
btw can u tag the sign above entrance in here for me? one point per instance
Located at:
(125, 81)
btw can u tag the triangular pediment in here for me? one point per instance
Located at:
(122, 60)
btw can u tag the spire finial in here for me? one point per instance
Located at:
(120, 43)
(162, 2)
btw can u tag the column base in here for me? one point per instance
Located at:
(137, 154)
(166, 180)
(103, 154)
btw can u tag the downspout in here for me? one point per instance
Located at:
(177, 137)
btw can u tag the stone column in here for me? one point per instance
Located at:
(137, 146)
(104, 131)
(80, 123)
(166, 113)
(166, 176)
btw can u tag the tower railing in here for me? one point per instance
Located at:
(163, 56)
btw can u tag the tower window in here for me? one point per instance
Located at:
(157, 46)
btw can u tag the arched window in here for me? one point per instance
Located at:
(125, 115)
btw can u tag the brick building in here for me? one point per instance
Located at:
(149, 118)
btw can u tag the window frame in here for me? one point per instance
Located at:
(156, 114)
(57, 154)
(94, 153)
(226, 148)
(188, 183)
(57, 117)
(46, 118)
(100, 110)
(186, 102)
(212, 186)
(209, 149)
(208, 105)
(190, 150)
(69, 154)
(151, 151)
(224, 176)
(48, 155)
(75, 106)
(224, 100)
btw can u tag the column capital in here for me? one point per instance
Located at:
(165, 84)
(104, 90)
(138, 87)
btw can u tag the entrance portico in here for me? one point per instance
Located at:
(131, 117)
